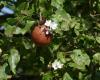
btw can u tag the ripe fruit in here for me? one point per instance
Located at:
(41, 36)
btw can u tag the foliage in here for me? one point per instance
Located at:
(76, 41)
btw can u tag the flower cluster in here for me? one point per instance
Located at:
(51, 24)
(57, 65)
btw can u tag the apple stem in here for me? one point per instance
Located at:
(40, 16)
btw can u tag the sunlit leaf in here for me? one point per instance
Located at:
(65, 26)
(61, 57)
(55, 47)
(96, 58)
(80, 58)
(42, 59)
(3, 75)
(9, 30)
(26, 44)
(61, 15)
(18, 30)
(13, 59)
(27, 26)
(57, 3)
(47, 76)
(66, 76)
(98, 39)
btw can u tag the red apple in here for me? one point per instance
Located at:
(40, 37)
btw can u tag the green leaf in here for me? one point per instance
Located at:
(23, 6)
(61, 57)
(61, 15)
(80, 59)
(11, 21)
(74, 65)
(76, 32)
(3, 75)
(65, 26)
(98, 39)
(13, 59)
(47, 76)
(96, 58)
(18, 30)
(27, 26)
(57, 3)
(98, 7)
(89, 37)
(42, 59)
(9, 30)
(66, 76)
(55, 47)
(26, 44)
(81, 76)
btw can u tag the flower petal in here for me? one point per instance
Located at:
(53, 25)
(47, 32)
(57, 64)
(47, 23)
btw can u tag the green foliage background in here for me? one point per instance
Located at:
(76, 41)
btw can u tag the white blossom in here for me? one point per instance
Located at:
(47, 23)
(51, 24)
(47, 32)
(57, 65)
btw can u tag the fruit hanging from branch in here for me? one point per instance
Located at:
(42, 34)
